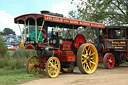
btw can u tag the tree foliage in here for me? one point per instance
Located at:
(7, 31)
(1, 33)
(3, 47)
(103, 11)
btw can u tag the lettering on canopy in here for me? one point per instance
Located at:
(74, 22)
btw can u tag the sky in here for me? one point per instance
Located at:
(9, 9)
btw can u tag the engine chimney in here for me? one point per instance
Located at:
(51, 13)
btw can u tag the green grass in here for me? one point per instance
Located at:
(14, 77)
(12, 68)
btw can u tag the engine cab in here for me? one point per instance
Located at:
(112, 45)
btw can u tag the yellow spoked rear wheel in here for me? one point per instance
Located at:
(33, 65)
(53, 67)
(67, 70)
(87, 58)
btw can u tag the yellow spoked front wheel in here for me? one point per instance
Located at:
(33, 65)
(67, 70)
(87, 58)
(53, 67)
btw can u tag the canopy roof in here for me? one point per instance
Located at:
(116, 27)
(54, 21)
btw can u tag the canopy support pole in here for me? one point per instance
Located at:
(21, 32)
(36, 30)
(28, 29)
(25, 29)
(73, 33)
(41, 30)
(63, 32)
(85, 32)
(93, 35)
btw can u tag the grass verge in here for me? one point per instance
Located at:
(10, 53)
(14, 77)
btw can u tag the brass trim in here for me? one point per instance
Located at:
(100, 31)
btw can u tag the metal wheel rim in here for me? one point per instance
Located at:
(53, 67)
(110, 61)
(87, 58)
(32, 62)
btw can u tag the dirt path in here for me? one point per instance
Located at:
(102, 76)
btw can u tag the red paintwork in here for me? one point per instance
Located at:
(105, 50)
(67, 53)
(59, 20)
(71, 21)
(43, 63)
(80, 39)
(71, 58)
(41, 45)
(45, 36)
(110, 57)
(67, 58)
(100, 58)
(63, 58)
(127, 55)
(67, 45)
(57, 53)
(100, 55)
(26, 16)
(112, 36)
(29, 47)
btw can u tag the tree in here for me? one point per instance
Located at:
(1, 33)
(103, 11)
(3, 47)
(7, 31)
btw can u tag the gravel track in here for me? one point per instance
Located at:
(102, 76)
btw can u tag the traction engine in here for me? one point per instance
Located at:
(56, 53)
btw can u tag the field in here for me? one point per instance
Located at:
(102, 76)
(11, 77)
(15, 73)
(12, 70)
